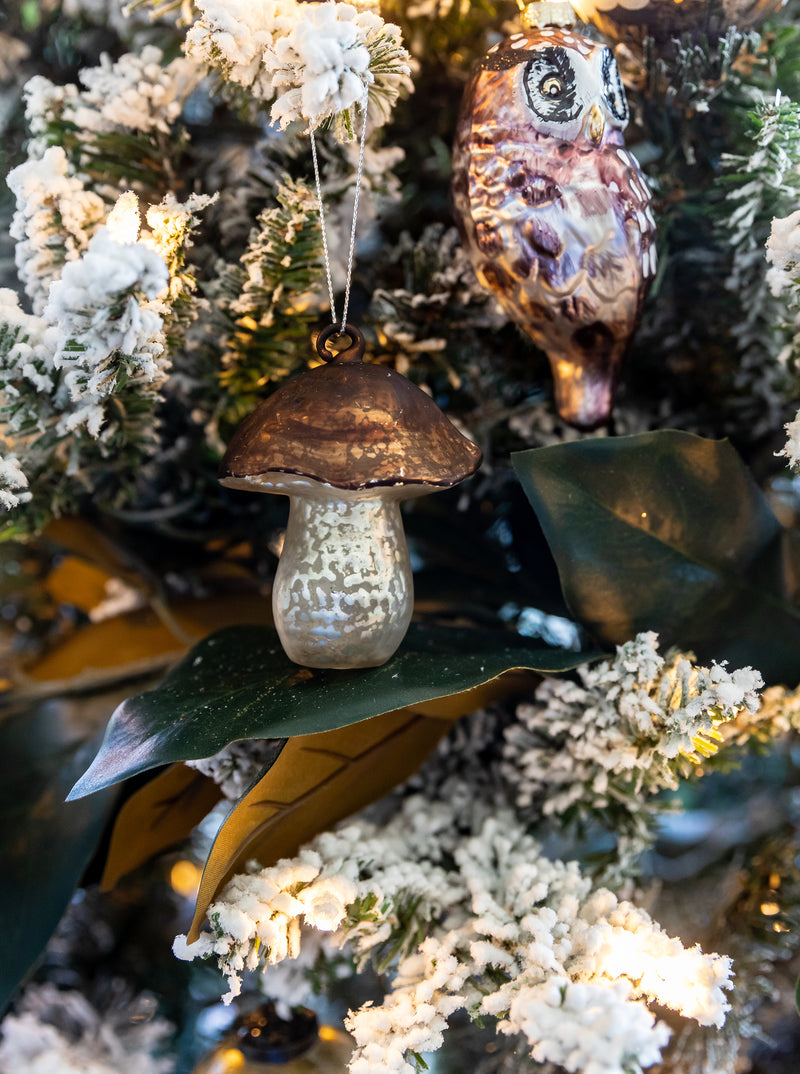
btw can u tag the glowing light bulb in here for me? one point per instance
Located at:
(184, 878)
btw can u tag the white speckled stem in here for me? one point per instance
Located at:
(343, 593)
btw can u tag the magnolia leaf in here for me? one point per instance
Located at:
(156, 817)
(667, 531)
(139, 642)
(135, 641)
(45, 843)
(517, 682)
(74, 581)
(317, 780)
(239, 684)
(98, 548)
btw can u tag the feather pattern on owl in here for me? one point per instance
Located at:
(553, 210)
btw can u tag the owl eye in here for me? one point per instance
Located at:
(551, 86)
(613, 90)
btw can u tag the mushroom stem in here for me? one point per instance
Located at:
(343, 592)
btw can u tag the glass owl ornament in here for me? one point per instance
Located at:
(553, 210)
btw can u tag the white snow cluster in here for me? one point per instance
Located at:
(313, 61)
(26, 349)
(122, 1041)
(321, 66)
(792, 448)
(783, 253)
(235, 768)
(54, 219)
(138, 92)
(479, 920)
(56, 214)
(101, 332)
(629, 728)
(172, 223)
(109, 327)
(13, 483)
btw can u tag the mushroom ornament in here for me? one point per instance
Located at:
(552, 208)
(346, 442)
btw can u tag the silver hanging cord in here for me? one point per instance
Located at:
(351, 252)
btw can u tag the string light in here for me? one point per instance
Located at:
(184, 879)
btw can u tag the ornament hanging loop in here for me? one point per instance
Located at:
(351, 354)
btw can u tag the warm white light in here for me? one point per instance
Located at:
(123, 221)
(184, 878)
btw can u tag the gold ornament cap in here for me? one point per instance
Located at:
(547, 13)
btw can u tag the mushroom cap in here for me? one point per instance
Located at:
(349, 425)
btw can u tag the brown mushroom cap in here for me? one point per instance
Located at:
(353, 426)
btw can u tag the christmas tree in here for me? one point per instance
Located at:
(556, 829)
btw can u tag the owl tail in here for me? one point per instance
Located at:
(586, 375)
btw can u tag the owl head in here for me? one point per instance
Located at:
(568, 86)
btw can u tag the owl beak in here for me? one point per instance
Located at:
(597, 124)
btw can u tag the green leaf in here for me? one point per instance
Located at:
(667, 531)
(238, 684)
(45, 843)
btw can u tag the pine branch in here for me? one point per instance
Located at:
(265, 299)
(759, 186)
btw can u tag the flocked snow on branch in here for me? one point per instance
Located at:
(761, 185)
(137, 93)
(94, 362)
(311, 62)
(81, 379)
(53, 222)
(459, 901)
(631, 727)
(59, 1032)
(13, 483)
(126, 111)
(236, 766)
(783, 277)
(783, 254)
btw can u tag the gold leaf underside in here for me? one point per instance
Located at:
(156, 817)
